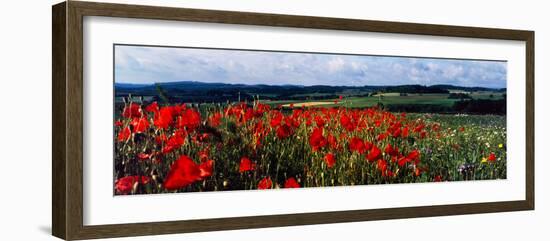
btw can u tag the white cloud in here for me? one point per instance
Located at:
(155, 64)
(336, 64)
(453, 71)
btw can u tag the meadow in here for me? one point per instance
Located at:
(263, 144)
(441, 99)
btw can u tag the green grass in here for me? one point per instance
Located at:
(360, 102)
(386, 99)
(395, 99)
(433, 99)
(486, 95)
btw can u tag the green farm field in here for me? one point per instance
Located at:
(390, 99)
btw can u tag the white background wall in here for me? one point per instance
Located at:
(25, 120)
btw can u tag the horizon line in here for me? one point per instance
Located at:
(297, 85)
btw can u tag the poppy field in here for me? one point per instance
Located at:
(248, 145)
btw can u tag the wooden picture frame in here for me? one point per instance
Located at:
(67, 123)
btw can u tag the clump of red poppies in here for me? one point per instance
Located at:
(239, 146)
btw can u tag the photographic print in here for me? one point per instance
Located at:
(164, 107)
(203, 119)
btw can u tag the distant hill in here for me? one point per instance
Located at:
(192, 91)
(416, 89)
(131, 86)
(469, 89)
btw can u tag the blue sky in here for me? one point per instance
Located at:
(139, 64)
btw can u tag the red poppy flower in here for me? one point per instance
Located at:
(396, 133)
(419, 128)
(246, 165)
(417, 172)
(309, 122)
(125, 185)
(283, 131)
(374, 154)
(330, 160)
(438, 178)
(320, 121)
(382, 165)
(119, 123)
(124, 134)
(215, 120)
(189, 119)
(402, 161)
(492, 157)
(163, 118)
(265, 183)
(262, 108)
(368, 145)
(405, 132)
(332, 141)
(206, 168)
(140, 125)
(179, 109)
(381, 136)
(276, 119)
(317, 140)
(153, 107)
(347, 122)
(291, 183)
(132, 111)
(175, 142)
(248, 115)
(414, 155)
(293, 121)
(357, 145)
(392, 151)
(182, 173)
